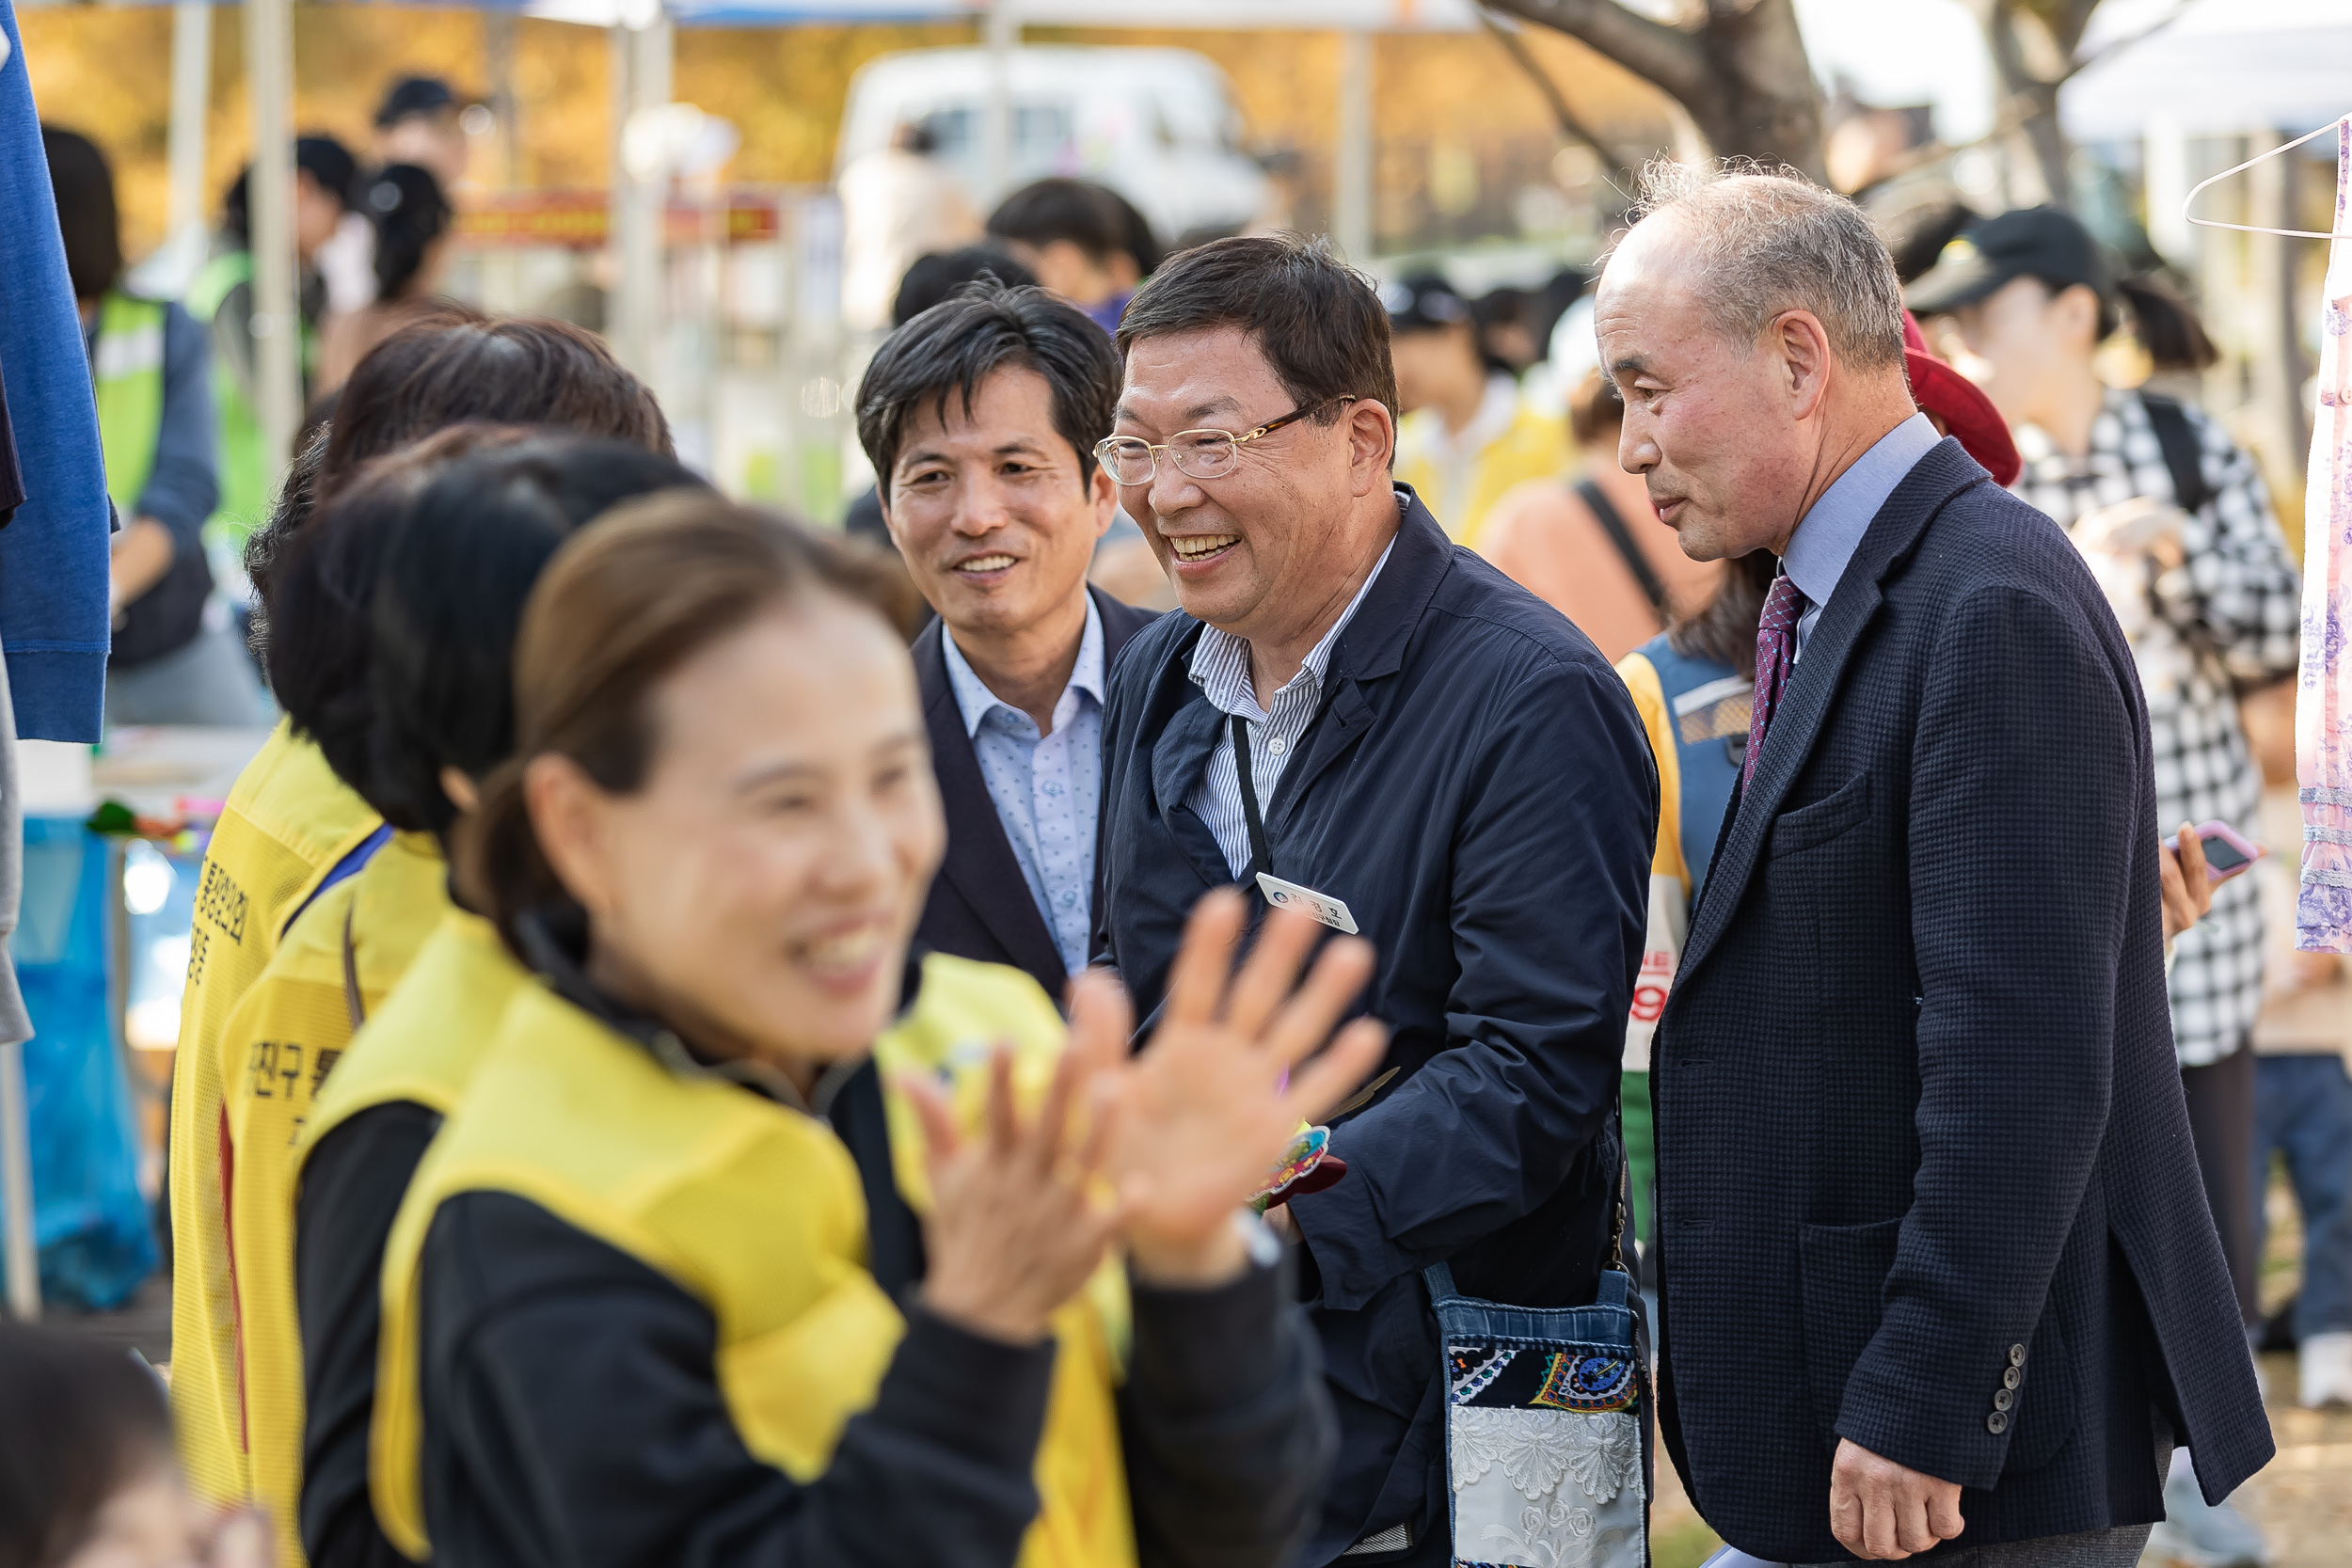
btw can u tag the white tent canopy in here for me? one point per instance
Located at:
(2224, 67)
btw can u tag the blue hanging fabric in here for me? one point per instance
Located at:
(92, 1225)
(54, 551)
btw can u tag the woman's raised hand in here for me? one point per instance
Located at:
(1018, 1219)
(1201, 1117)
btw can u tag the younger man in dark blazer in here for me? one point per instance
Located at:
(980, 417)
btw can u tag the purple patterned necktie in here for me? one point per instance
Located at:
(1776, 656)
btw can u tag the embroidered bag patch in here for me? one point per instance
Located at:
(1543, 1444)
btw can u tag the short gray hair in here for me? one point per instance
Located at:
(1763, 238)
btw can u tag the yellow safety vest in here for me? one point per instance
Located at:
(757, 1210)
(285, 825)
(337, 963)
(422, 1047)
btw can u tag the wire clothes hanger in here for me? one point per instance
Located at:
(2255, 228)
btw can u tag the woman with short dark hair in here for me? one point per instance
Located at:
(291, 839)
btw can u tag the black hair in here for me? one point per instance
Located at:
(409, 212)
(79, 1420)
(942, 273)
(84, 188)
(952, 347)
(1724, 629)
(454, 368)
(319, 641)
(1318, 321)
(455, 574)
(1916, 237)
(1094, 217)
(382, 378)
(1143, 244)
(2165, 324)
(326, 161)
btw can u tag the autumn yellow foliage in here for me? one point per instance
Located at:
(1447, 108)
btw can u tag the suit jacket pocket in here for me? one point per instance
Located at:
(1844, 1269)
(1809, 827)
(2048, 1401)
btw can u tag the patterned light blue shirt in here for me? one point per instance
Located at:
(1045, 788)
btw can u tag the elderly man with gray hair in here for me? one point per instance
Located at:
(1936, 1263)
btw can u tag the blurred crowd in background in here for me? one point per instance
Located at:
(2059, 345)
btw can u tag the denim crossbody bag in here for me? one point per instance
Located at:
(1542, 1430)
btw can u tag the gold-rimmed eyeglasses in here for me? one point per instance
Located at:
(1196, 453)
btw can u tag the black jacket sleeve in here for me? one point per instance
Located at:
(352, 1186)
(571, 1418)
(1228, 1429)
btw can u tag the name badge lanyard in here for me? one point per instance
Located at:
(1258, 848)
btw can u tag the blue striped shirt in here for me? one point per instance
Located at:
(1221, 668)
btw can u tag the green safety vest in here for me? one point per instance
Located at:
(127, 374)
(244, 467)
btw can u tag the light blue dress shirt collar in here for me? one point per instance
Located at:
(1829, 534)
(974, 699)
(1045, 788)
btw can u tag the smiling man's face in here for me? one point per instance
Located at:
(989, 510)
(1257, 547)
(1709, 423)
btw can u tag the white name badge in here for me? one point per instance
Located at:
(1290, 895)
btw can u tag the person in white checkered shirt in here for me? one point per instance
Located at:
(2175, 521)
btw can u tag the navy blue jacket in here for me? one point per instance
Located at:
(1479, 789)
(979, 906)
(1919, 1124)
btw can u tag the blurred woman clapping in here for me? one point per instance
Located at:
(716, 1261)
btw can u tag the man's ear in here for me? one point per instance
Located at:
(1802, 345)
(1103, 496)
(1370, 444)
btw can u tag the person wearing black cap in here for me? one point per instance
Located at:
(419, 123)
(1464, 436)
(2176, 523)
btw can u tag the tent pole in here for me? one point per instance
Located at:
(1003, 37)
(1351, 196)
(191, 97)
(277, 327)
(641, 183)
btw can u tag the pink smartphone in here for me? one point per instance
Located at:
(2226, 852)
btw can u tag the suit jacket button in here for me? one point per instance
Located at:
(2011, 1377)
(2016, 1355)
(2003, 1399)
(1996, 1423)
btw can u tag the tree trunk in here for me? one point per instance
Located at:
(1741, 74)
(2026, 100)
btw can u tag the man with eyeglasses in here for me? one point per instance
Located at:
(980, 417)
(1353, 715)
